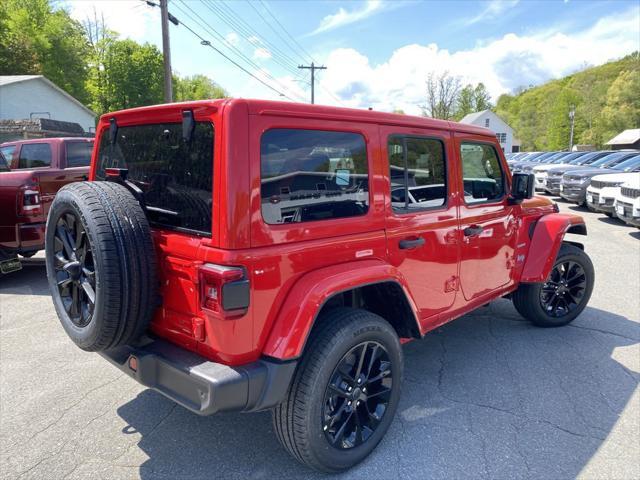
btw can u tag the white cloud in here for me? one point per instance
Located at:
(130, 18)
(491, 10)
(502, 65)
(261, 54)
(232, 38)
(343, 17)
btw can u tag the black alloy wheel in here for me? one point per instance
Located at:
(74, 269)
(357, 396)
(563, 292)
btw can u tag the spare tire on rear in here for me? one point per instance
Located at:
(101, 264)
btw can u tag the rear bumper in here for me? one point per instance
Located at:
(24, 237)
(202, 386)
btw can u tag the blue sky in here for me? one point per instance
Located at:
(380, 52)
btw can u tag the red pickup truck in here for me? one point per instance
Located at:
(34, 170)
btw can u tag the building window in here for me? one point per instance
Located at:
(502, 137)
(486, 123)
(418, 173)
(312, 175)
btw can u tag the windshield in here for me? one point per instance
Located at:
(176, 176)
(611, 160)
(573, 158)
(628, 164)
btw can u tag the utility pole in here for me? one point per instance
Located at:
(313, 69)
(572, 116)
(166, 51)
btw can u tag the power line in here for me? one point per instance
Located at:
(207, 27)
(235, 22)
(295, 42)
(300, 47)
(207, 43)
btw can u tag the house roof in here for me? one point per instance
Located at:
(628, 137)
(11, 79)
(472, 117)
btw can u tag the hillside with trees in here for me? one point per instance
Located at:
(606, 100)
(87, 59)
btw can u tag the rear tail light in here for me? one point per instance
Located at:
(223, 290)
(29, 200)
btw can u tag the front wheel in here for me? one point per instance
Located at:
(563, 296)
(345, 393)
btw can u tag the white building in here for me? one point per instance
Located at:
(504, 133)
(25, 97)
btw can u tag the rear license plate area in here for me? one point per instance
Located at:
(11, 265)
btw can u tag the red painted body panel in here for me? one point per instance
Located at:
(294, 268)
(546, 241)
(22, 233)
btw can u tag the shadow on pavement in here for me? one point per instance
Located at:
(488, 395)
(612, 221)
(31, 280)
(635, 234)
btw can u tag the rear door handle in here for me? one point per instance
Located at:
(473, 230)
(408, 244)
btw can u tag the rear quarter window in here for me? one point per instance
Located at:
(176, 176)
(309, 175)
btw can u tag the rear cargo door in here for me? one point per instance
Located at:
(176, 178)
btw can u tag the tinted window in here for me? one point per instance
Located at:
(4, 167)
(628, 165)
(311, 175)
(8, 153)
(35, 155)
(417, 171)
(482, 175)
(79, 154)
(175, 176)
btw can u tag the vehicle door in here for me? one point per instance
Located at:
(487, 221)
(39, 158)
(76, 159)
(421, 218)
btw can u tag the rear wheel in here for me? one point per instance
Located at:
(563, 296)
(345, 393)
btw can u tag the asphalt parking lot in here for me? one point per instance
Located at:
(487, 396)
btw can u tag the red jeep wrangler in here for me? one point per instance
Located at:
(243, 255)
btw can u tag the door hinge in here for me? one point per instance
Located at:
(451, 285)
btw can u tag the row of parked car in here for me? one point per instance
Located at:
(606, 181)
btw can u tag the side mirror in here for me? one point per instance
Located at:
(522, 186)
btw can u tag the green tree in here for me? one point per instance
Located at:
(539, 115)
(196, 87)
(622, 110)
(472, 99)
(123, 73)
(466, 103)
(481, 98)
(37, 39)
